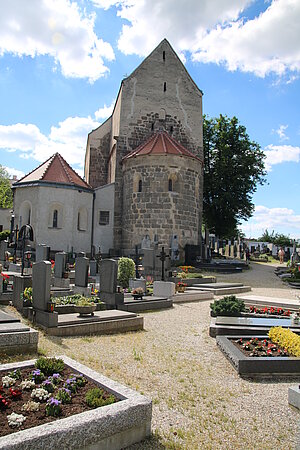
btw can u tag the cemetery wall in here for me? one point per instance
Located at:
(40, 201)
(103, 234)
(156, 210)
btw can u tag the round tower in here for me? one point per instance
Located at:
(162, 193)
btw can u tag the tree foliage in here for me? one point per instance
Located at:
(6, 195)
(126, 270)
(233, 167)
(276, 238)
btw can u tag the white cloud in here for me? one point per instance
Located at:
(281, 132)
(105, 112)
(14, 172)
(277, 219)
(58, 28)
(68, 138)
(215, 32)
(277, 154)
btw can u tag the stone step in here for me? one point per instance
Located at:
(192, 295)
(257, 300)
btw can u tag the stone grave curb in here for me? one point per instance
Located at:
(261, 367)
(103, 327)
(294, 396)
(22, 342)
(113, 427)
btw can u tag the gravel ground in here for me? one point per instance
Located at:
(199, 401)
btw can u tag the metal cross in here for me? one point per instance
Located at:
(163, 256)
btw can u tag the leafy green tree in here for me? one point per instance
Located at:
(6, 195)
(233, 167)
(277, 239)
(126, 270)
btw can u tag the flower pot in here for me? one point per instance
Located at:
(85, 310)
(137, 296)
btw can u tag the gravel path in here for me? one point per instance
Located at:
(199, 401)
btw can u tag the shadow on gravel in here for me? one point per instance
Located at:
(151, 443)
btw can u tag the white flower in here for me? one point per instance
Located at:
(27, 384)
(40, 394)
(8, 381)
(31, 406)
(15, 420)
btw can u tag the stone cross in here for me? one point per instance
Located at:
(163, 256)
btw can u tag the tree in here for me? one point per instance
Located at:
(6, 195)
(233, 167)
(278, 239)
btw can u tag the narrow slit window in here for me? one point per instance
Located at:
(171, 129)
(165, 86)
(170, 185)
(140, 186)
(55, 217)
(152, 126)
(164, 55)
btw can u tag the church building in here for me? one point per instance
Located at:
(143, 169)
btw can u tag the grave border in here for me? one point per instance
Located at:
(257, 367)
(113, 426)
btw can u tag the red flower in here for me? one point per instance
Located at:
(4, 403)
(15, 393)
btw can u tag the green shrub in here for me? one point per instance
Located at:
(126, 270)
(49, 366)
(4, 235)
(96, 397)
(227, 306)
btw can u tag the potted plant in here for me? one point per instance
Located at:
(85, 306)
(138, 293)
(180, 286)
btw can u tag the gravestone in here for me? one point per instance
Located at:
(108, 270)
(174, 248)
(3, 249)
(60, 264)
(20, 283)
(81, 271)
(164, 289)
(146, 242)
(60, 270)
(42, 253)
(41, 285)
(93, 268)
(227, 250)
(136, 283)
(1, 281)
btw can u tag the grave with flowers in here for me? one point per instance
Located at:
(274, 355)
(57, 402)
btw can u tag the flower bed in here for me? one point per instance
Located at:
(268, 311)
(114, 426)
(260, 347)
(31, 397)
(257, 365)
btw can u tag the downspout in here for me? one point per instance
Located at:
(92, 230)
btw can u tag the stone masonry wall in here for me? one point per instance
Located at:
(99, 162)
(155, 210)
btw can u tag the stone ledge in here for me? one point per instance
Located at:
(258, 367)
(110, 427)
(294, 396)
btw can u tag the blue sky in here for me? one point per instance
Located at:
(61, 64)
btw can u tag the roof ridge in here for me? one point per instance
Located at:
(36, 168)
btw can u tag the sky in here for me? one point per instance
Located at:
(62, 62)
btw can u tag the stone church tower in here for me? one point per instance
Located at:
(151, 150)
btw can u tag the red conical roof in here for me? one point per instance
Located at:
(160, 143)
(55, 170)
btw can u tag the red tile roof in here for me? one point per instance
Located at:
(160, 143)
(55, 170)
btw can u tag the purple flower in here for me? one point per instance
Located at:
(36, 372)
(56, 375)
(53, 401)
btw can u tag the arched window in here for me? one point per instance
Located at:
(140, 185)
(170, 185)
(55, 218)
